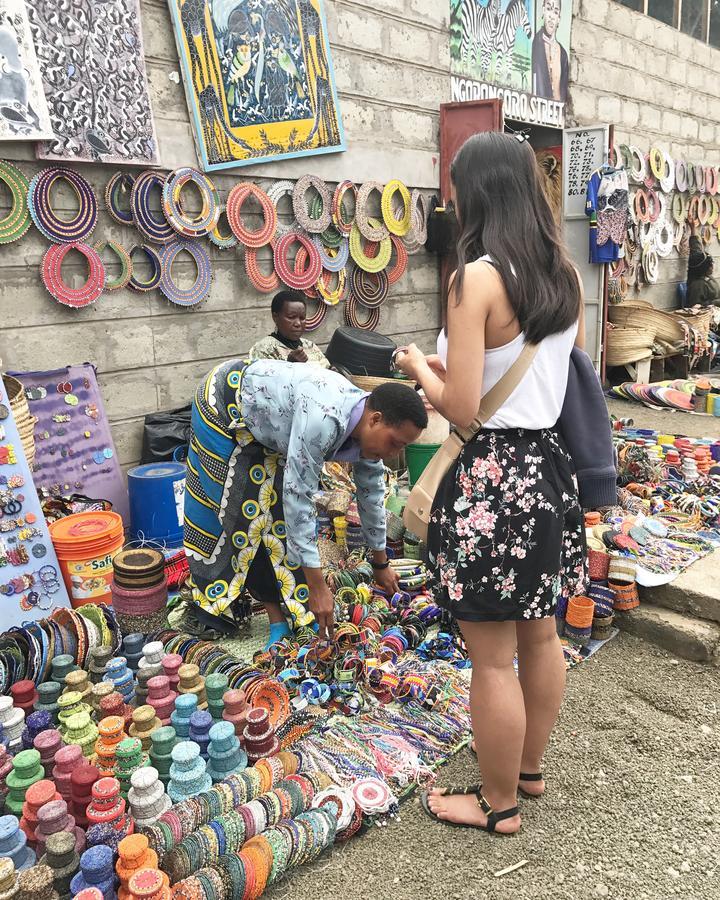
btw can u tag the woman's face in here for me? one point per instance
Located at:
(290, 321)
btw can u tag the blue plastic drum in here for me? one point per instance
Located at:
(157, 493)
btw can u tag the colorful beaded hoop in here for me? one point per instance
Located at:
(315, 320)
(125, 275)
(341, 223)
(120, 185)
(293, 279)
(398, 270)
(236, 198)
(263, 283)
(200, 288)
(371, 288)
(185, 224)
(153, 226)
(17, 221)
(334, 263)
(360, 255)
(332, 297)
(369, 228)
(399, 227)
(52, 275)
(279, 190)
(305, 220)
(222, 241)
(48, 223)
(351, 314)
(155, 262)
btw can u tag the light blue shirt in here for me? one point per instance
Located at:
(305, 413)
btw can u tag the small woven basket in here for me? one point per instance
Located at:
(21, 413)
(602, 627)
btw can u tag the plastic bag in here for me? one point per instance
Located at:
(166, 435)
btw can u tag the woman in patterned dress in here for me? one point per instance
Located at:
(289, 312)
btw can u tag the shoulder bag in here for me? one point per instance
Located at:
(422, 496)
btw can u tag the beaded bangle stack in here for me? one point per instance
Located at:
(54, 227)
(17, 221)
(153, 226)
(57, 288)
(185, 224)
(236, 198)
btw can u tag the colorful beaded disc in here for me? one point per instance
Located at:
(200, 288)
(75, 297)
(152, 225)
(54, 227)
(17, 221)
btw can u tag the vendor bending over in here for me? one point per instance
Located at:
(261, 432)
(289, 311)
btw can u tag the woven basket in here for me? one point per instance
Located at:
(643, 316)
(627, 345)
(370, 382)
(21, 413)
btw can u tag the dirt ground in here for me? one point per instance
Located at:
(668, 421)
(632, 810)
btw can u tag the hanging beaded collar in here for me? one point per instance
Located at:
(153, 226)
(401, 226)
(370, 229)
(305, 220)
(279, 190)
(293, 279)
(314, 320)
(263, 283)
(51, 225)
(220, 240)
(17, 221)
(371, 288)
(185, 224)
(118, 189)
(352, 308)
(236, 198)
(200, 289)
(341, 220)
(415, 239)
(361, 256)
(336, 262)
(125, 275)
(398, 270)
(156, 264)
(52, 276)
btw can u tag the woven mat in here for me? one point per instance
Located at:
(250, 639)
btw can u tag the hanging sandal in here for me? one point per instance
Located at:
(492, 817)
(532, 776)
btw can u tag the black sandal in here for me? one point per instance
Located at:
(492, 817)
(532, 776)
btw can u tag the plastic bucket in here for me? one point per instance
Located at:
(86, 544)
(417, 456)
(157, 492)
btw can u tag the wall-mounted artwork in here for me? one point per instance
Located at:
(93, 68)
(24, 112)
(258, 79)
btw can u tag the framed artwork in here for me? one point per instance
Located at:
(258, 78)
(24, 113)
(93, 69)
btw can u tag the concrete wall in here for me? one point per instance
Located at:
(657, 86)
(390, 64)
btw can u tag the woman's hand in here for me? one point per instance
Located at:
(388, 580)
(410, 361)
(321, 603)
(298, 355)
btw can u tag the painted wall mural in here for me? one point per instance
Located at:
(24, 113)
(258, 79)
(93, 68)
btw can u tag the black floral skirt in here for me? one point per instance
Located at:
(507, 533)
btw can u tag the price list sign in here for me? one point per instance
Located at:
(584, 151)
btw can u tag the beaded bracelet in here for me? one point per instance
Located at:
(401, 226)
(200, 288)
(17, 221)
(343, 222)
(52, 276)
(54, 227)
(125, 275)
(153, 226)
(351, 314)
(276, 192)
(263, 283)
(323, 221)
(179, 218)
(293, 279)
(120, 185)
(361, 257)
(155, 262)
(236, 198)
(370, 229)
(216, 236)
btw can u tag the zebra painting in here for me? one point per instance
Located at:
(514, 17)
(478, 24)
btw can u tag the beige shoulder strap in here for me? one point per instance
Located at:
(499, 393)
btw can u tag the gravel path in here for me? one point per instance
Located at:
(632, 810)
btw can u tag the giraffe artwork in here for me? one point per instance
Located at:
(258, 79)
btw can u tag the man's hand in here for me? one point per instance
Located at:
(298, 355)
(321, 603)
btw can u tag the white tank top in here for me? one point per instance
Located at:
(537, 401)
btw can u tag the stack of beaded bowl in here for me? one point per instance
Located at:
(97, 662)
(47, 744)
(110, 731)
(148, 800)
(129, 757)
(36, 796)
(61, 665)
(67, 759)
(200, 724)
(192, 682)
(134, 854)
(81, 730)
(99, 691)
(96, 870)
(53, 818)
(185, 706)
(62, 856)
(107, 807)
(81, 784)
(26, 770)
(121, 677)
(259, 735)
(78, 681)
(216, 685)
(225, 754)
(13, 843)
(171, 665)
(163, 741)
(12, 720)
(24, 695)
(236, 710)
(139, 590)
(149, 884)
(70, 704)
(114, 705)
(144, 722)
(36, 884)
(35, 724)
(188, 775)
(48, 695)
(161, 697)
(132, 649)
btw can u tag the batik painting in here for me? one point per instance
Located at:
(24, 112)
(258, 78)
(93, 68)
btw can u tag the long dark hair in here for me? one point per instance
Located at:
(503, 213)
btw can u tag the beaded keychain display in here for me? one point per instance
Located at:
(126, 269)
(401, 226)
(155, 262)
(184, 223)
(153, 226)
(361, 256)
(200, 288)
(120, 186)
(293, 279)
(342, 221)
(351, 314)
(305, 220)
(17, 221)
(263, 283)
(220, 240)
(369, 228)
(52, 275)
(371, 288)
(236, 198)
(276, 192)
(52, 226)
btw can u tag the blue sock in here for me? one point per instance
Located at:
(315, 627)
(278, 631)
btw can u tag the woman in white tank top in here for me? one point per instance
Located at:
(506, 536)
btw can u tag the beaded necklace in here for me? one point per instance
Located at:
(263, 283)
(398, 270)
(361, 255)
(401, 226)
(156, 263)
(276, 192)
(125, 275)
(370, 229)
(120, 186)
(200, 288)
(47, 221)
(370, 288)
(342, 221)
(216, 236)
(185, 224)
(305, 220)
(17, 221)
(236, 198)
(52, 275)
(153, 226)
(294, 279)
